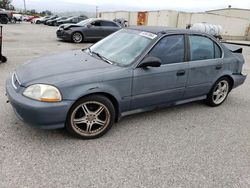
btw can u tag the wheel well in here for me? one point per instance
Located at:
(111, 98)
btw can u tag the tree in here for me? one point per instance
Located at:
(6, 4)
(47, 12)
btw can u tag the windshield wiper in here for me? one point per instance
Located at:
(101, 57)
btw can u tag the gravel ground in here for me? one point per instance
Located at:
(191, 145)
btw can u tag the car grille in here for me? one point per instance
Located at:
(15, 82)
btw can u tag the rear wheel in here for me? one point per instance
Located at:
(4, 20)
(91, 117)
(38, 22)
(3, 59)
(219, 92)
(77, 37)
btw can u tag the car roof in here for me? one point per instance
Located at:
(164, 30)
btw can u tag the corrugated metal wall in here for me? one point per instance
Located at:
(232, 26)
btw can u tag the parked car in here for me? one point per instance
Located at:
(40, 20)
(121, 21)
(50, 18)
(5, 16)
(92, 29)
(133, 70)
(53, 22)
(72, 20)
(17, 17)
(31, 18)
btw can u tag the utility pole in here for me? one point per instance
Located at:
(96, 11)
(24, 3)
(4, 4)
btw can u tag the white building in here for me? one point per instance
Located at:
(235, 22)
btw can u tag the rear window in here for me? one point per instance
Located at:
(202, 48)
(108, 24)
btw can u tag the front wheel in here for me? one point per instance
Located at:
(77, 37)
(91, 117)
(4, 20)
(218, 93)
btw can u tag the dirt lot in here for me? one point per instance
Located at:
(190, 145)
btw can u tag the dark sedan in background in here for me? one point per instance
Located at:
(92, 29)
(72, 20)
(54, 22)
(48, 19)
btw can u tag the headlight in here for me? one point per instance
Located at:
(42, 92)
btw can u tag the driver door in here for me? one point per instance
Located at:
(165, 84)
(94, 31)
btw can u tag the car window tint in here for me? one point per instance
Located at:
(201, 48)
(96, 23)
(170, 49)
(217, 51)
(108, 24)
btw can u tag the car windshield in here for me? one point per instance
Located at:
(68, 19)
(84, 22)
(124, 46)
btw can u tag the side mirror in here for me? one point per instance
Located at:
(150, 62)
(89, 26)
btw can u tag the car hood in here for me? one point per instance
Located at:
(66, 26)
(58, 68)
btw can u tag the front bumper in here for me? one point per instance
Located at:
(63, 35)
(239, 79)
(35, 113)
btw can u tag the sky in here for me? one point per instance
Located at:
(131, 5)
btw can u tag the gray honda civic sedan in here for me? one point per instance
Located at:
(132, 70)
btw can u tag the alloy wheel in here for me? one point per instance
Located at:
(77, 37)
(90, 118)
(220, 92)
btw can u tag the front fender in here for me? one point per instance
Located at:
(121, 92)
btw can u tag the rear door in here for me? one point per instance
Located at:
(165, 84)
(204, 66)
(108, 27)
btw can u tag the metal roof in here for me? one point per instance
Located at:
(215, 10)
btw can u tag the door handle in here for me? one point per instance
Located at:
(180, 73)
(218, 67)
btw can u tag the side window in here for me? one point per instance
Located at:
(202, 48)
(217, 51)
(96, 23)
(74, 20)
(170, 49)
(108, 24)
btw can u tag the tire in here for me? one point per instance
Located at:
(3, 59)
(38, 22)
(90, 117)
(219, 92)
(14, 20)
(77, 37)
(4, 20)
